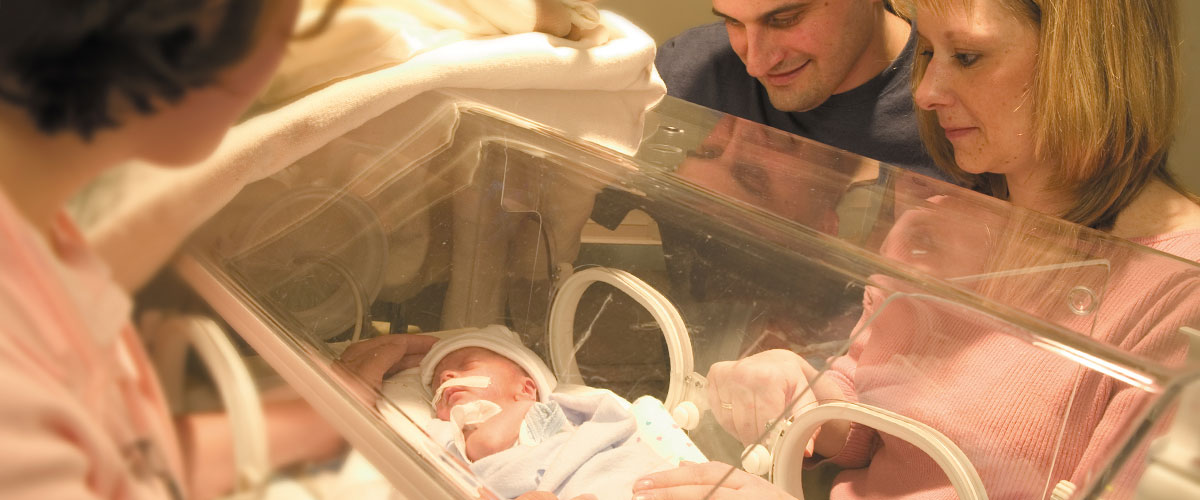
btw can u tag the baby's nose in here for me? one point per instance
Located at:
(447, 375)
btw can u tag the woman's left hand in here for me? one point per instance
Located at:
(692, 481)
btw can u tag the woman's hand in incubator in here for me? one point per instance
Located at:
(749, 394)
(376, 358)
(692, 481)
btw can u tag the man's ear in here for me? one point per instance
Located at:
(529, 388)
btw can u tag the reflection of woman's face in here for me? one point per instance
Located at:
(744, 161)
(981, 60)
(928, 239)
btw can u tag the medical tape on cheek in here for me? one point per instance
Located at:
(478, 381)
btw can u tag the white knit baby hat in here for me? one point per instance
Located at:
(495, 338)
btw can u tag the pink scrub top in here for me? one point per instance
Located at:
(82, 414)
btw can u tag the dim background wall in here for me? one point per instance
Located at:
(662, 19)
(1185, 158)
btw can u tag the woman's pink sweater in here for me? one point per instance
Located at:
(82, 415)
(1026, 416)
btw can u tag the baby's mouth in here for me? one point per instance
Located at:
(448, 394)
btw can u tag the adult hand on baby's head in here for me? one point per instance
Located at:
(692, 481)
(374, 359)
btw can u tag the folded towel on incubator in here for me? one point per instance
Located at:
(372, 58)
(370, 37)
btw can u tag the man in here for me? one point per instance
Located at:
(836, 71)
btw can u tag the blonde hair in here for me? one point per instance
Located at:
(1104, 98)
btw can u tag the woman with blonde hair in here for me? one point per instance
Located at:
(1073, 115)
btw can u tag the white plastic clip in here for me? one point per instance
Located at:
(757, 460)
(686, 415)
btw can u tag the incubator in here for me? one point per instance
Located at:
(984, 350)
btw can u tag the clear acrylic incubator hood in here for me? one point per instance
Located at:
(990, 351)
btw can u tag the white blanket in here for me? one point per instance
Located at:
(602, 455)
(372, 58)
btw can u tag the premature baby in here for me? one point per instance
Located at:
(497, 411)
(486, 394)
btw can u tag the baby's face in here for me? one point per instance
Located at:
(510, 383)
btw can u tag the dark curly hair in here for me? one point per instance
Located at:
(67, 62)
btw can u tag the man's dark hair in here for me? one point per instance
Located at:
(66, 62)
